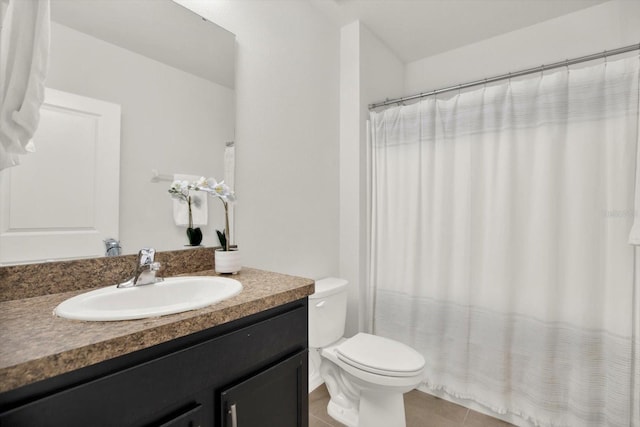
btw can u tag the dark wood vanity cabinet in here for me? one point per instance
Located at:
(252, 371)
(273, 394)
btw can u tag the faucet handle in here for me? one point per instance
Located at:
(112, 246)
(146, 256)
(154, 266)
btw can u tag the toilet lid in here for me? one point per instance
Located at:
(380, 355)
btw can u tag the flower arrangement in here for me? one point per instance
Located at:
(181, 190)
(221, 191)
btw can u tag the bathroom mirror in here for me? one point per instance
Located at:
(171, 73)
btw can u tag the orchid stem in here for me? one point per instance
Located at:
(226, 225)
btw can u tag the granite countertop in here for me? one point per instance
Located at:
(36, 345)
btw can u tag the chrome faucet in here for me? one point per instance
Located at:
(146, 270)
(112, 247)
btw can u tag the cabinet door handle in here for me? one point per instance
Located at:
(234, 415)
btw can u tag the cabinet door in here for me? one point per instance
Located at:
(276, 396)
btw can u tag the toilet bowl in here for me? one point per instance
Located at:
(366, 375)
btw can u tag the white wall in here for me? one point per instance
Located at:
(287, 73)
(350, 180)
(171, 121)
(369, 70)
(603, 27)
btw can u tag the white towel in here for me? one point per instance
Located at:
(230, 165)
(229, 179)
(24, 59)
(199, 204)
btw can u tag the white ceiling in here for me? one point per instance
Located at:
(159, 29)
(416, 29)
(413, 29)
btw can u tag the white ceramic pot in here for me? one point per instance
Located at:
(227, 261)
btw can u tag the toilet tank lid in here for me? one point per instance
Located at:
(328, 286)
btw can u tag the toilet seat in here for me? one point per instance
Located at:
(379, 355)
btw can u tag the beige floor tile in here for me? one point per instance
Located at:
(318, 401)
(421, 409)
(476, 419)
(425, 406)
(317, 422)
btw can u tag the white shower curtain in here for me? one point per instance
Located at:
(500, 220)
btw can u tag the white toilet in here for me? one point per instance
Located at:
(366, 375)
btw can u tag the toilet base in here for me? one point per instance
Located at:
(360, 398)
(356, 402)
(381, 409)
(348, 417)
(376, 410)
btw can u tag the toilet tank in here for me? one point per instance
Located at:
(327, 312)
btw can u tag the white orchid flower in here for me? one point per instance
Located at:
(219, 189)
(180, 190)
(185, 186)
(201, 183)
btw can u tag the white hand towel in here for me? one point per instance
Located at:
(229, 179)
(24, 58)
(199, 204)
(230, 165)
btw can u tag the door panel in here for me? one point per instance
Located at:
(63, 200)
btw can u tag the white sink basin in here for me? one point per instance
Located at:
(173, 295)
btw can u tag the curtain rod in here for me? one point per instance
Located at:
(539, 69)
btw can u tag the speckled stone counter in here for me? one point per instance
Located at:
(30, 280)
(36, 345)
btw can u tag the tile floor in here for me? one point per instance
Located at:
(422, 410)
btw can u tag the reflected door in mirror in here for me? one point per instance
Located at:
(63, 200)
